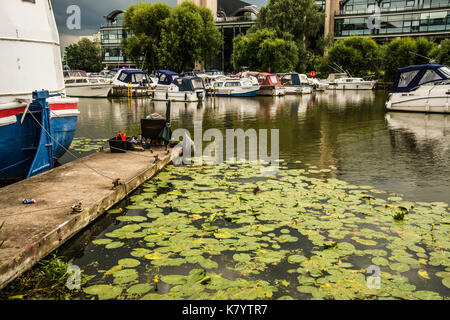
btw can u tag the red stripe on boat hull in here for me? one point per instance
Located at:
(53, 107)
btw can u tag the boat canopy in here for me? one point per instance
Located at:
(135, 76)
(189, 83)
(267, 79)
(292, 78)
(166, 77)
(410, 78)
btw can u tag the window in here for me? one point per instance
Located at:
(197, 83)
(406, 78)
(218, 84)
(410, 3)
(123, 76)
(445, 71)
(429, 76)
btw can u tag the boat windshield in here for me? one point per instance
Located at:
(197, 83)
(445, 71)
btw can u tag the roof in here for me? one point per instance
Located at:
(409, 78)
(114, 14)
(131, 71)
(168, 72)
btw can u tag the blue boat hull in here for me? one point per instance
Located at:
(18, 143)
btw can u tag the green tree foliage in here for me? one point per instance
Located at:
(301, 19)
(360, 56)
(189, 34)
(145, 22)
(403, 52)
(260, 49)
(84, 55)
(441, 53)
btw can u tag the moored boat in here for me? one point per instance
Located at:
(421, 88)
(348, 83)
(187, 89)
(79, 84)
(270, 84)
(295, 83)
(35, 129)
(235, 87)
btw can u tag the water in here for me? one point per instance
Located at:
(404, 153)
(401, 153)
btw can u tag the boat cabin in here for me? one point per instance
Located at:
(410, 78)
(292, 79)
(134, 76)
(166, 77)
(189, 83)
(267, 79)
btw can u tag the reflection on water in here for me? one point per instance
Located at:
(403, 153)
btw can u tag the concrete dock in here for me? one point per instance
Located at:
(33, 231)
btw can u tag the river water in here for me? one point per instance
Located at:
(406, 155)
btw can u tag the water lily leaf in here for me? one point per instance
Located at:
(446, 282)
(102, 241)
(131, 218)
(129, 263)
(174, 279)
(114, 245)
(427, 295)
(423, 274)
(400, 267)
(140, 288)
(125, 276)
(103, 291)
(242, 257)
(296, 259)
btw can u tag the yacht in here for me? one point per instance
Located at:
(37, 120)
(131, 77)
(421, 88)
(295, 83)
(234, 87)
(188, 89)
(347, 83)
(79, 84)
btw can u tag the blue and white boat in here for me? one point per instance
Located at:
(295, 83)
(186, 89)
(421, 88)
(234, 87)
(134, 77)
(35, 128)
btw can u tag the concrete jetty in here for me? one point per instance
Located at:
(33, 231)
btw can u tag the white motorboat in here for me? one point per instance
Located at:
(234, 87)
(270, 84)
(352, 84)
(422, 88)
(188, 89)
(79, 84)
(295, 83)
(131, 77)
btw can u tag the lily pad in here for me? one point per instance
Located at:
(103, 291)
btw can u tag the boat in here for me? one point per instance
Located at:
(165, 79)
(295, 83)
(79, 84)
(188, 89)
(36, 127)
(421, 88)
(349, 83)
(270, 84)
(131, 77)
(234, 87)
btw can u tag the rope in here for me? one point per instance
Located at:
(68, 151)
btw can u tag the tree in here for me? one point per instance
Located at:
(441, 53)
(404, 52)
(260, 49)
(301, 19)
(360, 56)
(145, 22)
(84, 55)
(189, 34)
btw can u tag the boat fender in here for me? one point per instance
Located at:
(186, 97)
(167, 95)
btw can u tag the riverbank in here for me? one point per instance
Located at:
(33, 231)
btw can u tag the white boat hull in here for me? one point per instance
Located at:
(352, 86)
(271, 91)
(89, 91)
(425, 99)
(182, 96)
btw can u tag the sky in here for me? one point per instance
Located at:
(92, 14)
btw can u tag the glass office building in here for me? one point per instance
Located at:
(387, 19)
(112, 32)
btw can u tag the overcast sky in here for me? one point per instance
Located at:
(93, 12)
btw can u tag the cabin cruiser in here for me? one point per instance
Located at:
(187, 89)
(131, 77)
(165, 79)
(270, 84)
(37, 120)
(235, 87)
(295, 83)
(79, 84)
(347, 83)
(421, 88)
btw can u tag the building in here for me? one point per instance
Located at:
(112, 32)
(384, 20)
(210, 4)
